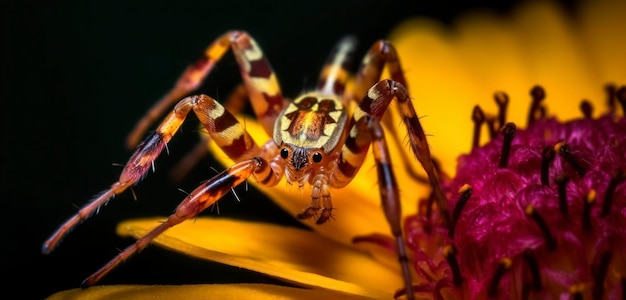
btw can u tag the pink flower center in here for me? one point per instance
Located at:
(536, 212)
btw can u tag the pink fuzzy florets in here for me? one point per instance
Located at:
(550, 223)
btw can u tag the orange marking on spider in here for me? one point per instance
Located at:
(315, 138)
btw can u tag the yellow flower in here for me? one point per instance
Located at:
(449, 70)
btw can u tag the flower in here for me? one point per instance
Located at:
(572, 59)
(538, 212)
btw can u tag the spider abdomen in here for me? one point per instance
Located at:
(311, 121)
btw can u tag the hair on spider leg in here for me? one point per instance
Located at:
(235, 194)
(214, 170)
(167, 150)
(132, 191)
(183, 191)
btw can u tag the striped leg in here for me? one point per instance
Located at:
(235, 104)
(389, 195)
(258, 77)
(383, 54)
(376, 102)
(220, 124)
(335, 74)
(376, 97)
(367, 131)
(202, 197)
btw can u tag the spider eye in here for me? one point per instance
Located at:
(317, 157)
(284, 153)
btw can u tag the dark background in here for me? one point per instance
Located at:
(77, 75)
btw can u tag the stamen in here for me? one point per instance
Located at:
(563, 149)
(429, 211)
(589, 200)
(465, 192)
(599, 270)
(479, 118)
(621, 97)
(542, 111)
(616, 179)
(586, 108)
(533, 267)
(508, 131)
(449, 251)
(547, 155)
(491, 126)
(576, 291)
(538, 94)
(502, 100)
(503, 267)
(543, 226)
(611, 100)
(561, 182)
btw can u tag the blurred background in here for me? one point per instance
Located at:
(77, 75)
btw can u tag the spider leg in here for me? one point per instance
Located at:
(389, 194)
(335, 73)
(367, 131)
(235, 103)
(376, 102)
(221, 125)
(375, 98)
(380, 55)
(198, 200)
(258, 77)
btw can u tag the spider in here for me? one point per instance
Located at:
(321, 138)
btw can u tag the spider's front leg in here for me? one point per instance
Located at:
(229, 134)
(389, 194)
(367, 131)
(198, 200)
(221, 125)
(375, 97)
(376, 102)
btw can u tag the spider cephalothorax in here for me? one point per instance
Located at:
(307, 133)
(321, 138)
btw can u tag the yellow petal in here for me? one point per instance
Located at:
(555, 59)
(357, 206)
(452, 69)
(603, 28)
(493, 55)
(196, 291)
(297, 256)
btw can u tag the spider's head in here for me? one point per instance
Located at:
(300, 162)
(307, 131)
